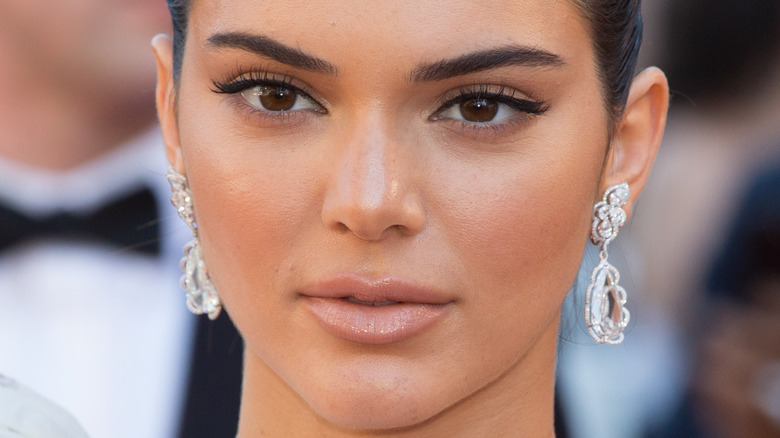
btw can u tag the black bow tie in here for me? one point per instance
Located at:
(131, 223)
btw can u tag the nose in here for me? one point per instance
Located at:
(372, 191)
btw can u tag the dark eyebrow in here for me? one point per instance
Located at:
(269, 48)
(485, 60)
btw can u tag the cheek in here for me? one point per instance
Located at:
(535, 222)
(520, 229)
(252, 207)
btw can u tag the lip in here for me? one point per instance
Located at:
(374, 311)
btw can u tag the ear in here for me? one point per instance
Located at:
(638, 134)
(165, 95)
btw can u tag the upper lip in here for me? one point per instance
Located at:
(380, 290)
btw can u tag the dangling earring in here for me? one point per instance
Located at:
(202, 296)
(605, 300)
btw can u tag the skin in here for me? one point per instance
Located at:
(76, 79)
(496, 218)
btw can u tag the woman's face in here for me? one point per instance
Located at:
(393, 197)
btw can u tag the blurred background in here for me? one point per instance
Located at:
(700, 259)
(92, 315)
(93, 319)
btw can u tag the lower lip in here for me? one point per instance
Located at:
(368, 324)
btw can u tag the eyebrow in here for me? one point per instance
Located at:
(269, 48)
(485, 60)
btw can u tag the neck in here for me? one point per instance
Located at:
(48, 124)
(518, 403)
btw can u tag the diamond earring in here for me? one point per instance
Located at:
(202, 296)
(605, 313)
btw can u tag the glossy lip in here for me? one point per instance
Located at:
(374, 311)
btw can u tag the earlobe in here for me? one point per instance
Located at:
(639, 133)
(165, 96)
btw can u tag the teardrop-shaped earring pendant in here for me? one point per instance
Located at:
(606, 315)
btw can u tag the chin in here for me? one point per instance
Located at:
(376, 403)
(374, 414)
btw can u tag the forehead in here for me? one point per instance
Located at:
(394, 32)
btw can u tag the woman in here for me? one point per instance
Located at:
(393, 198)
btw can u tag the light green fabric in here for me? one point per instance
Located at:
(25, 414)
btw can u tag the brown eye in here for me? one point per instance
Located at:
(274, 98)
(479, 110)
(277, 98)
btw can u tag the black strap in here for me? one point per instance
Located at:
(214, 386)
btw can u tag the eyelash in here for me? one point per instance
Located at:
(252, 79)
(525, 108)
(241, 82)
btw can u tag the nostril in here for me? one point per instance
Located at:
(401, 229)
(371, 195)
(340, 228)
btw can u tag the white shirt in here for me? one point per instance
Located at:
(103, 333)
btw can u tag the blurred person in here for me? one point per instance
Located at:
(736, 386)
(723, 60)
(91, 306)
(724, 73)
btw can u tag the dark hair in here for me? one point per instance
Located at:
(615, 28)
(180, 11)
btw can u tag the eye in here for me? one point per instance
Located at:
(478, 110)
(277, 98)
(269, 93)
(482, 105)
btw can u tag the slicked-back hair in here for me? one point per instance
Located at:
(180, 11)
(616, 31)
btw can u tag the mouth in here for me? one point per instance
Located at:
(366, 311)
(380, 292)
(370, 303)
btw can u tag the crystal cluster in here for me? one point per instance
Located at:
(181, 198)
(202, 296)
(609, 215)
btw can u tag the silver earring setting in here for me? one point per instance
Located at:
(605, 313)
(202, 296)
